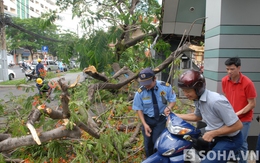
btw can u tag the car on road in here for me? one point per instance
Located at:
(49, 65)
(11, 74)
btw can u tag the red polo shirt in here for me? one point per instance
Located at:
(238, 92)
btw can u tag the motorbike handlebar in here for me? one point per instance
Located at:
(201, 141)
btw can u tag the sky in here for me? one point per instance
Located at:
(67, 23)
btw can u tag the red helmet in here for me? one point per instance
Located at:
(194, 80)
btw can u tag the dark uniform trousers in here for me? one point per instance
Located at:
(157, 126)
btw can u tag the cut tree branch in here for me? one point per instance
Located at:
(94, 87)
(57, 133)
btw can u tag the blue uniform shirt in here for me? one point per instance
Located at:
(143, 98)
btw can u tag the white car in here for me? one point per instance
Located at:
(34, 63)
(49, 65)
(11, 74)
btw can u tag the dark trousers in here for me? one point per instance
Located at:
(258, 149)
(49, 90)
(220, 153)
(157, 127)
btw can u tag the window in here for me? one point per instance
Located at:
(34, 63)
(25, 58)
(52, 63)
(31, 8)
(12, 10)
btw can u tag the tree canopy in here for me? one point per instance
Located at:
(112, 27)
(33, 33)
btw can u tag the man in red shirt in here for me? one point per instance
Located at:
(241, 93)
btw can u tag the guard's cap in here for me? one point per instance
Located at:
(146, 76)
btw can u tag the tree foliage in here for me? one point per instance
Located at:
(34, 33)
(113, 29)
(18, 39)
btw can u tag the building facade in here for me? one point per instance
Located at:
(28, 8)
(231, 30)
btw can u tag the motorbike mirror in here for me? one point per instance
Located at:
(201, 124)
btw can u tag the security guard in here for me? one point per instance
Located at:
(150, 102)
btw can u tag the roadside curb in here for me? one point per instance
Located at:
(7, 86)
(14, 86)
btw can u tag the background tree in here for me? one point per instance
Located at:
(33, 35)
(111, 23)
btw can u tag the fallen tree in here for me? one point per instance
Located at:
(74, 128)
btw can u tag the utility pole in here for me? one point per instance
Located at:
(3, 55)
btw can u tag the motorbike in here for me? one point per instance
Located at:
(24, 68)
(30, 73)
(180, 142)
(11, 65)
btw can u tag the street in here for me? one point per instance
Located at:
(7, 89)
(18, 72)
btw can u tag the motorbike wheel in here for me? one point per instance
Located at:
(11, 76)
(28, 78)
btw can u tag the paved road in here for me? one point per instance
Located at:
(18, 72)
(6, 90)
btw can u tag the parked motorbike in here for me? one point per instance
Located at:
(11, 65)
(178, 142)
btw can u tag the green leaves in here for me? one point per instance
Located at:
(110, 145)
(95, 51)
(121, 21)
(33, 33)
